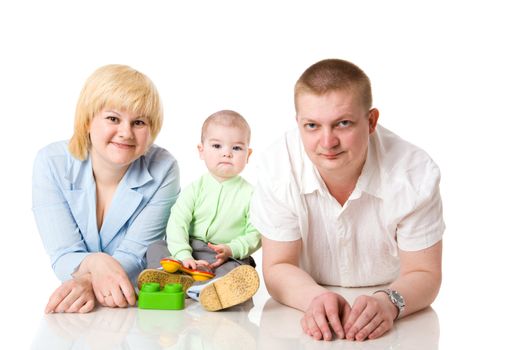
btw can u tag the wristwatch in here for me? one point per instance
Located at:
(395, 298)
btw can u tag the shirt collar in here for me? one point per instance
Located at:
(369, 181)
(80, 175)
(138, 174)
(310, 178)
(210, 179)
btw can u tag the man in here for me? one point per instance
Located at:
(342, 201)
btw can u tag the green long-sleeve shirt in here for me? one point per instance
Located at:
(216, 212)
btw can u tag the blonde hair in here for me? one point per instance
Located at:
(226, 118)
(334, 74)
(119, 87)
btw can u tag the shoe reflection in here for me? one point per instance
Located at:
(132, 328)
(195, 328)
(280, 329)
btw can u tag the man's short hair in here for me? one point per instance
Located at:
(226, 118)
(331, 75)
(118, 87)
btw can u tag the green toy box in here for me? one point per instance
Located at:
(171, 297)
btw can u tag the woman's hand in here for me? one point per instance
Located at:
(223, 253)
(75, 295)
(370, 318)
(110, 283)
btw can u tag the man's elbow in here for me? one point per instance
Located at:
(268, 277)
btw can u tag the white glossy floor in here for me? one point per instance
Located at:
(259, 324)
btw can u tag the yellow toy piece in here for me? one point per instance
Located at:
(171, 265)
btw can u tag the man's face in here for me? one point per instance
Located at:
(335, 130)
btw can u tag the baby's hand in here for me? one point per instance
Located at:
(223, 253)
(189, 263)
(193, 264)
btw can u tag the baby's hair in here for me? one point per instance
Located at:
(226, 118)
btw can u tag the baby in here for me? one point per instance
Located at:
(209, 227)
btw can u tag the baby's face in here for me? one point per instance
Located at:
(225, 150)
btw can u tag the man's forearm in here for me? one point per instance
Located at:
(420, 277)
(290, 285)
(419, 288)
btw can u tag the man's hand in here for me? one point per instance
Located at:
(75, 295)
(111, 284)
(223, 253)
(370, 317)
(326, 311)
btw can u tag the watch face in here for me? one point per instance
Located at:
(397, 298)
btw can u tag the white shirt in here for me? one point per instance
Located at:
(396, 203)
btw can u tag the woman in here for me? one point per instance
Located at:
(100, 199)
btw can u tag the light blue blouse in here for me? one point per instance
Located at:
(64, 205)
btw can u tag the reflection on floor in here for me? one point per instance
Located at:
(277, 327)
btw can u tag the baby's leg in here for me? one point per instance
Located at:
(155, 252)
(233, 263)
(226, 267)
(201, 251)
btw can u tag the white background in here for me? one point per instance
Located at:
(440, 79)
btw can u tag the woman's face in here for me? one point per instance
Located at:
(118, 138)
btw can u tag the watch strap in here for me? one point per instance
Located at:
(390, 292)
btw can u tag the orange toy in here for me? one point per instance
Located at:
(171, 265)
